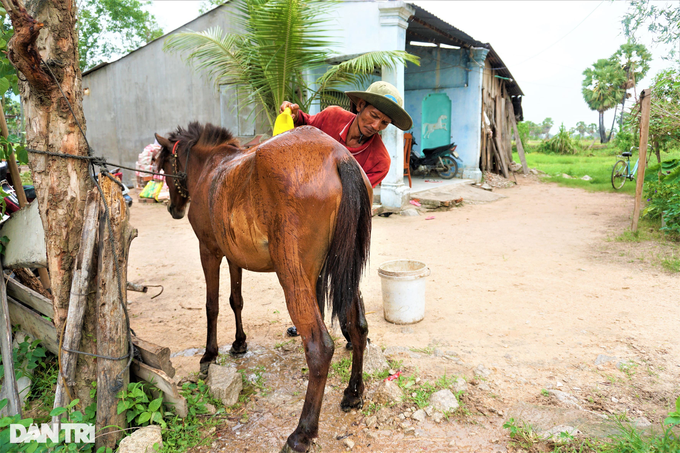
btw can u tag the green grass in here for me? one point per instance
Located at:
(629, 440)
(671, 264)
(596, 163)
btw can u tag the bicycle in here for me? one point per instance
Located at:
(621, 171)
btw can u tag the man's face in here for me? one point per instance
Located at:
(370, 120)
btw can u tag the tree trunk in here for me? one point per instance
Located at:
(611, 131)
(603, 134)
(112, 333)
(61, 184)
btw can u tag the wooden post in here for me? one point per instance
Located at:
(482, 142)
(518, 141)
(14, 403)
(19, 188)
(112, 333)
(645, 98)
(499, 149)
(82, 277)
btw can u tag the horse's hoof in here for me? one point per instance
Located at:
(348, 346)
(292, 332)
(350, 402)
(238, 351)
(203, 374)
(302, 446)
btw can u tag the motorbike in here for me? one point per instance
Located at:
(442, 159)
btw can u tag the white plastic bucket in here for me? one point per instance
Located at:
(403, 290)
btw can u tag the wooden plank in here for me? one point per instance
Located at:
(26, 278)
(155, 356)
(34, 324)
(482, 145)
(646, 99)
(164, 383)
(518, 141)
(111, 327)
(500, 154)
(27, 296)
(82, 276)
(137, 287)
(13, 403)
(21, 195)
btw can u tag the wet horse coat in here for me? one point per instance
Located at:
(298, 205)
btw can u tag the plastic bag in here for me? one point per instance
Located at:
(149, 189)
(163, 193)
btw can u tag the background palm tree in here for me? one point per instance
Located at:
(581, 128)
(283, 44)
(603, 88)
(546, 125)
(634, 61)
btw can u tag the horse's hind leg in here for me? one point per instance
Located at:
(211, 270)
(357, 327)
(318, 344)
(239, 346)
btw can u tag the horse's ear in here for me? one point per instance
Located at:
(164, 142)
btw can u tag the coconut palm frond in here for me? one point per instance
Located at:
(213, 52)
(357, 70)
(283, 41)
(288, 36)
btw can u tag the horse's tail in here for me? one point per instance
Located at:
(349, 249)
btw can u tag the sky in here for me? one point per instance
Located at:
(545, 44)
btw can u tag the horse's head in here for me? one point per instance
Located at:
(170, 162)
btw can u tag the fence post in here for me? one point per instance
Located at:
(645, 98)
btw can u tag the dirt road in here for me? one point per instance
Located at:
(531, 286)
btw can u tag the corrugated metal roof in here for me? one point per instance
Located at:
(425, 26)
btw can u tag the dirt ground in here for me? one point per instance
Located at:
(531, 286)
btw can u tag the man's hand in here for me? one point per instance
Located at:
(294, 109)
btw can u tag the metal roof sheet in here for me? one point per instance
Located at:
(425, 26)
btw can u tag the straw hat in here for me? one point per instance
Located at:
(386, 98)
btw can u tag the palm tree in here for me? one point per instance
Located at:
(634, 60)
(592, 128)
(546, 125)
(581, 127)
(603, 87)
(283, 43)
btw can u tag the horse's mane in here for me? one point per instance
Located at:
(204, 135)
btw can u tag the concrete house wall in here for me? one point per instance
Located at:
(149, 91)
(458, 74)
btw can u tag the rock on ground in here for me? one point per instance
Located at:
(387, 392)
(419, 416)
(348, 443)
(142, 440)
(225, 384)
(459, 385)
(602, 359)
(482, 371)
(565, 398)
(555, 433)
(444, 401)
(374, 360)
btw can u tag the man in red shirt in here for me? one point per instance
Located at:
(376, 108)
(372, 111)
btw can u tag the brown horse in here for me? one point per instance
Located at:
(298, 205)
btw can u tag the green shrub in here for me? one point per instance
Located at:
(560, 143)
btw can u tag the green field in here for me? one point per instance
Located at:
(596, 163)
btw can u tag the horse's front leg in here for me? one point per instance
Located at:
(239, 346)
(357, 327)
(211, 270)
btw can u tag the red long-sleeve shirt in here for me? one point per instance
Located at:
(372, 156)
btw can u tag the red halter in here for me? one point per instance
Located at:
(174, 148)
